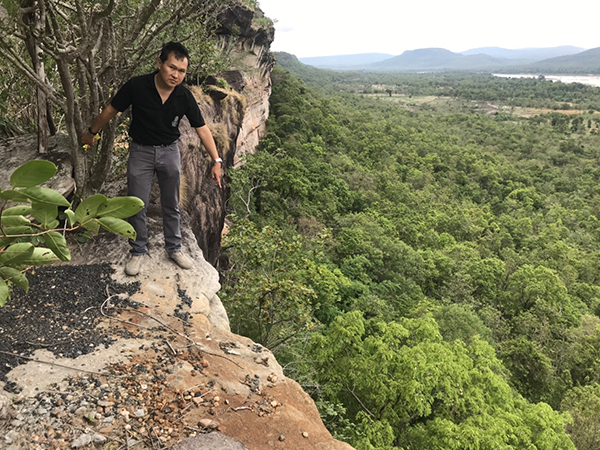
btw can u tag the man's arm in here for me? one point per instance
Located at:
(103, 118)
(209, 144)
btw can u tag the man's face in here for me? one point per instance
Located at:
(172, 71)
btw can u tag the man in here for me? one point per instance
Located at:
(158, 102)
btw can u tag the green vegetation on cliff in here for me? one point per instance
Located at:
(430, 274)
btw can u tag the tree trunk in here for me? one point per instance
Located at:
(103, 161)
(42, 121)
(35, 28)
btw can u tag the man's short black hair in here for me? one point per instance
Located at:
(178, 50)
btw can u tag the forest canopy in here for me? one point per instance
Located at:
(425, 261)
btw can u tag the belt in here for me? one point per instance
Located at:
(156, 146)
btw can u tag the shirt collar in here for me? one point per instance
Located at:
(178, 89)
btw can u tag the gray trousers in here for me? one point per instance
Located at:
(165, 162)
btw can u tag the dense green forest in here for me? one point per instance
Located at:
(430, 275)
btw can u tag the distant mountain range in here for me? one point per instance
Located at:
(565, 59)
(585, 62)
(345, 61)
(437, 59)
(525, 54)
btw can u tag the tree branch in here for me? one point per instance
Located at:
(351, 391)
(26, 70)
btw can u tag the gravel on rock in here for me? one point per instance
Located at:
(59, 313)
(134, 403)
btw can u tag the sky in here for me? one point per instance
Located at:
(342, 27)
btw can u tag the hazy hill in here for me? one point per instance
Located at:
(559, 60)
(587, 62)
(438, 59)
(525, 54)
(345, 61)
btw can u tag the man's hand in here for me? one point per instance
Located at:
(209, 144)
(216, 173)
(88, 138)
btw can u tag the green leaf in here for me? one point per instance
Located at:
(121, 207)
(84, 236)
(45, 214)
(15, 196)
(70, 216)
(57, 243)
(92, 225)
(117, 226)
(16, 253)
(89, 208)
(45, 195)
(39, 256)
(32, 173)
(4, 292)
(21, 210)
(18, 231)
(13, 221)
(15, 276)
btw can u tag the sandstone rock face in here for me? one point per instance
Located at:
(211, 441)
(163, 283)
(17, 151)
(237, 118)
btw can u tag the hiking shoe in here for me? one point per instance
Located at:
(181, 260)
(132, 268)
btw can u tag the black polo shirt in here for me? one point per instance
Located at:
(155, 123)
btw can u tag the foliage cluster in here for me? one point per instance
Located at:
(443, 268)
(29, 221)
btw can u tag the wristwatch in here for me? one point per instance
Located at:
(218, 160)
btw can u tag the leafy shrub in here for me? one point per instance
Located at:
(29, 227)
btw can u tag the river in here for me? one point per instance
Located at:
(584, 79)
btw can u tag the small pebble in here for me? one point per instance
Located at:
(11, 436)
(208, 423)
(82, 441)
(98, 438)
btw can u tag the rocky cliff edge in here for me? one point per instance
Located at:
(157, 365)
